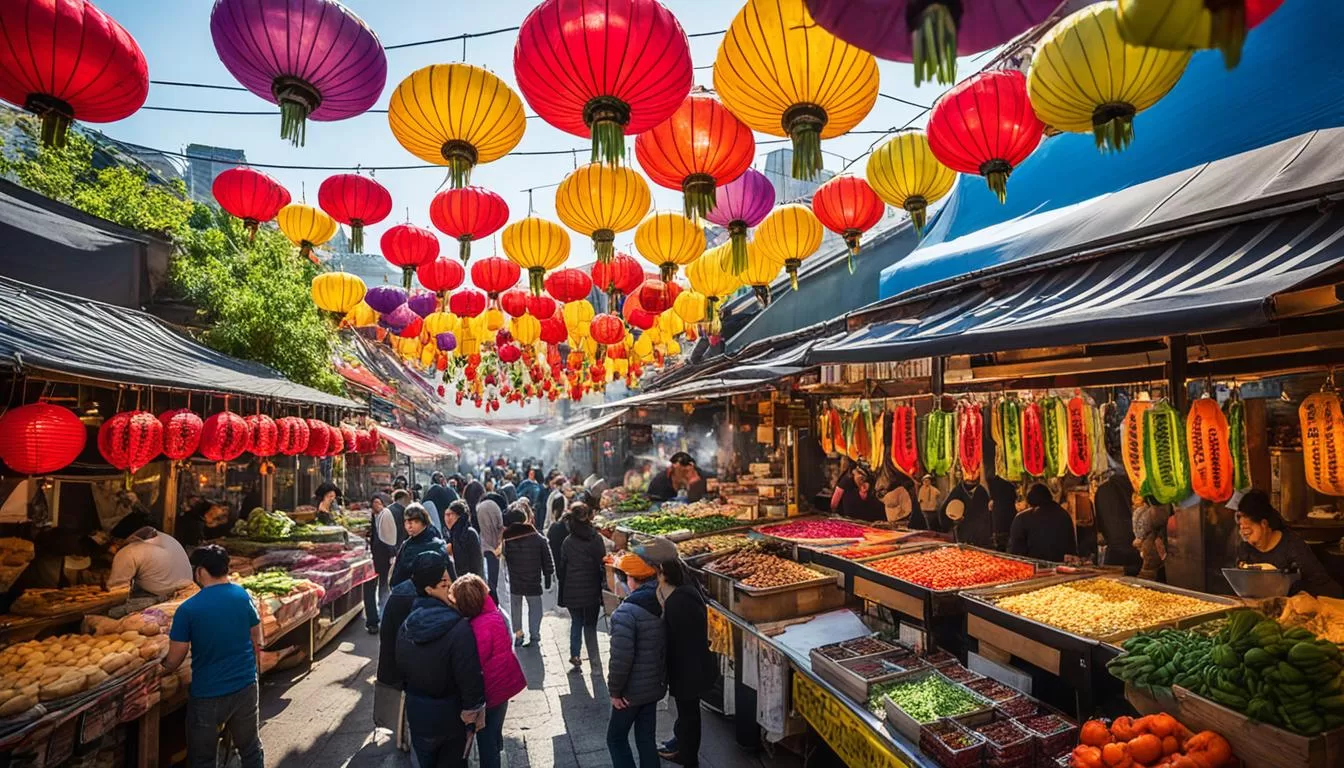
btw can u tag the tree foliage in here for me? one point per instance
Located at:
(253, 296)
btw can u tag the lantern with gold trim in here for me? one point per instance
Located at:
(600, 201)
(788, 235)
(669, 240)
(904, 172)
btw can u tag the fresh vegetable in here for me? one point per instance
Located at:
(1033, 440)
(1007, 431)
(970, 439)
(1206, 437)
(823, 530)
(1080, 425)
(1165, 465)
(904, 450)
(659, 524)
(953, 568)
(939, 441)
(716, 543)
(1055, 431)
(1236, 443)
(1098, 607)
(261, 525)
(273, 582)
(927, 698)
(1131, 443)
(1323, 442)
(861, 551)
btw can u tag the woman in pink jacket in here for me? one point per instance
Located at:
(503, 674)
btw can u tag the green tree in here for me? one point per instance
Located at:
(253, 296)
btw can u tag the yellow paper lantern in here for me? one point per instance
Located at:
(789, 234)
(782, 74)
(601, 200)
(526, 329)
(618, 367)
(428, 353)
(337, 291)
(362, 316)
(456, 115)
(588, 346)
(410, 349)
(494, 319)
(673, 347)
(904, 173)
(1183, 25)
(690, 307)
(578, 314)
(669, 240)
(643, 348)
(761, 271)
(536, 245)
(1085, 77)
(306, 227)
(711, 275)
(670, 324)
(440, 322)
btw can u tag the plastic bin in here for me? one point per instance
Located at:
(950, 745)
(993, 690)
(1023, 706)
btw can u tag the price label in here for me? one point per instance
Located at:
(845, 732)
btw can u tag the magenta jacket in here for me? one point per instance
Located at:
(503, 674)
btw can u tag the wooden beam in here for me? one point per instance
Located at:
(1177, 372)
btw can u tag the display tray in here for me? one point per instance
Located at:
(840, 674)
(83, 607)
(885, 537)
(908, 727)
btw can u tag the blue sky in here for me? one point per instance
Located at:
(176, 39)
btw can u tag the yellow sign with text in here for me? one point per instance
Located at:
(845, 732)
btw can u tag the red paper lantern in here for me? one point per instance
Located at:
(467, 303)
(567, 285)
(636, 315)
(985, 125)
(603, 68)
(291, 435)
(409, 247)
(130, 440)
(509, 354)
(514, 302)
(618, 277)
(701, 146)
(370, 441)
(553, 330)
(540, 307)
(607, 329)
(495, 275)
(40, 438)
(263, 435)
(181, 433)
(441, 275)
(319, 438)
(65, 60)
(224, 437)
(412, 329)
(335, 441)
(468, 214)
(249, 195)
(656, 296)
(848, 206)
(350, 436)
(355, 201)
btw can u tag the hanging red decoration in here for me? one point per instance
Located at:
(603, 68)
(1033, 440)
(567, 285)
(848, 206)
(970, 439)
(130, 440)
(250, 195)
(181, 433)
(319, 438)
(355, 201)
(698, 148)
(441, 275)
(66, 60)
(467, 303)
(224, 437)
(409, 247)
(514, 302)
(985, 125)
(495, 275)
(263, 436)
(335, 441)
(40, 438)
(636, 315)
(350, 436)
(509, 354)
(412, 329)
(291, 435)
(607, 329)
(657, 296)
(540, 307)
(904, 440)
(468, 214)
(618, 277)
(553, 330)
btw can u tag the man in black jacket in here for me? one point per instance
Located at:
(463, 541)
(441, 495)
(398, 607)
(528, 555)
(437, 658)
(582, 574)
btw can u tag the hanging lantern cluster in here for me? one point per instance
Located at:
(538, 246)
(355, 201)
(250, 195)
(905, 173)
(319, 60)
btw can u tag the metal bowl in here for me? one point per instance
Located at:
(1248, 582)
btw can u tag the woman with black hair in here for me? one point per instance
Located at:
(422, 537)
(690, 664)
(1044, 531)
(1266, 539)
(857, 499)
(326, 498)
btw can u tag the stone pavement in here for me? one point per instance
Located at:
(323, 718)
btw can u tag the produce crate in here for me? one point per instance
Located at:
(1007, 744)
(786, 602)
(1052, 736)
(932, 742)
(834, 664)
(909, 727)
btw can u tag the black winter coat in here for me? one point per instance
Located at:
(425, 541)
(581, 570)
(556, 535)
(637, 669)
(691, 666)
(528, 556)
(436, 654)
(466, 543)
(395, 611)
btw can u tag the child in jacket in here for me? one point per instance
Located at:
(503, 674)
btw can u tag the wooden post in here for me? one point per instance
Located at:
(147, 737)
(170, 500)
(1176, 372)
(268, 490)
(936, 382)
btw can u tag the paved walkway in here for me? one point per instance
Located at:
(323, 719)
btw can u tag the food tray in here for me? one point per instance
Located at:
(1050, 741)
(931, 743)
(1041, 567)
(857, 687)
(1007, 744)
(909, 727)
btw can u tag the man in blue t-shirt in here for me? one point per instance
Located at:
(221, 629)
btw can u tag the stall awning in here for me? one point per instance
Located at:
(699, 389)
(585, 427)
(417, 446)
(44, 330)
(1220, 279)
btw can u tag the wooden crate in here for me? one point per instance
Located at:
(854, 686)
(785, 602)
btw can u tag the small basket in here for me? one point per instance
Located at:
(993, 690)
(931, 743)
(1020, 707)
(1050, 740)
(941, 658)
(1007, 744)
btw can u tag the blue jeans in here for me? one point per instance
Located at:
(236, 712)
(583, 626)
(644, 719)
(490, 740)
(437, 734)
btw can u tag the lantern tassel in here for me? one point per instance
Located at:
(356, 236)
(306, 249)
(667, 272)
(250, 226)
(698, 195)
(807, 160)
(1113, 127)
(996, 176)
(406, 274)
(536, 280)
(1228, 29)
(762, 294)
(918, 208)
(852, 240)
(712, 305)
(603, 244)
(464, 248)
(608, 142)
(791, 266)
(934, 44)
(737, 236)
(294, 122)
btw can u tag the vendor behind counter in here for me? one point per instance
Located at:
(1265, 538)
(681, 474)
(154, 563)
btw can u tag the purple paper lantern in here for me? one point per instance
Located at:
(399, 318)
(446, 341)
(740, 205)
(384, 298)
(423, 303)
(916, 30)
(314, 58)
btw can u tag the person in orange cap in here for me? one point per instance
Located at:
(636, 668)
